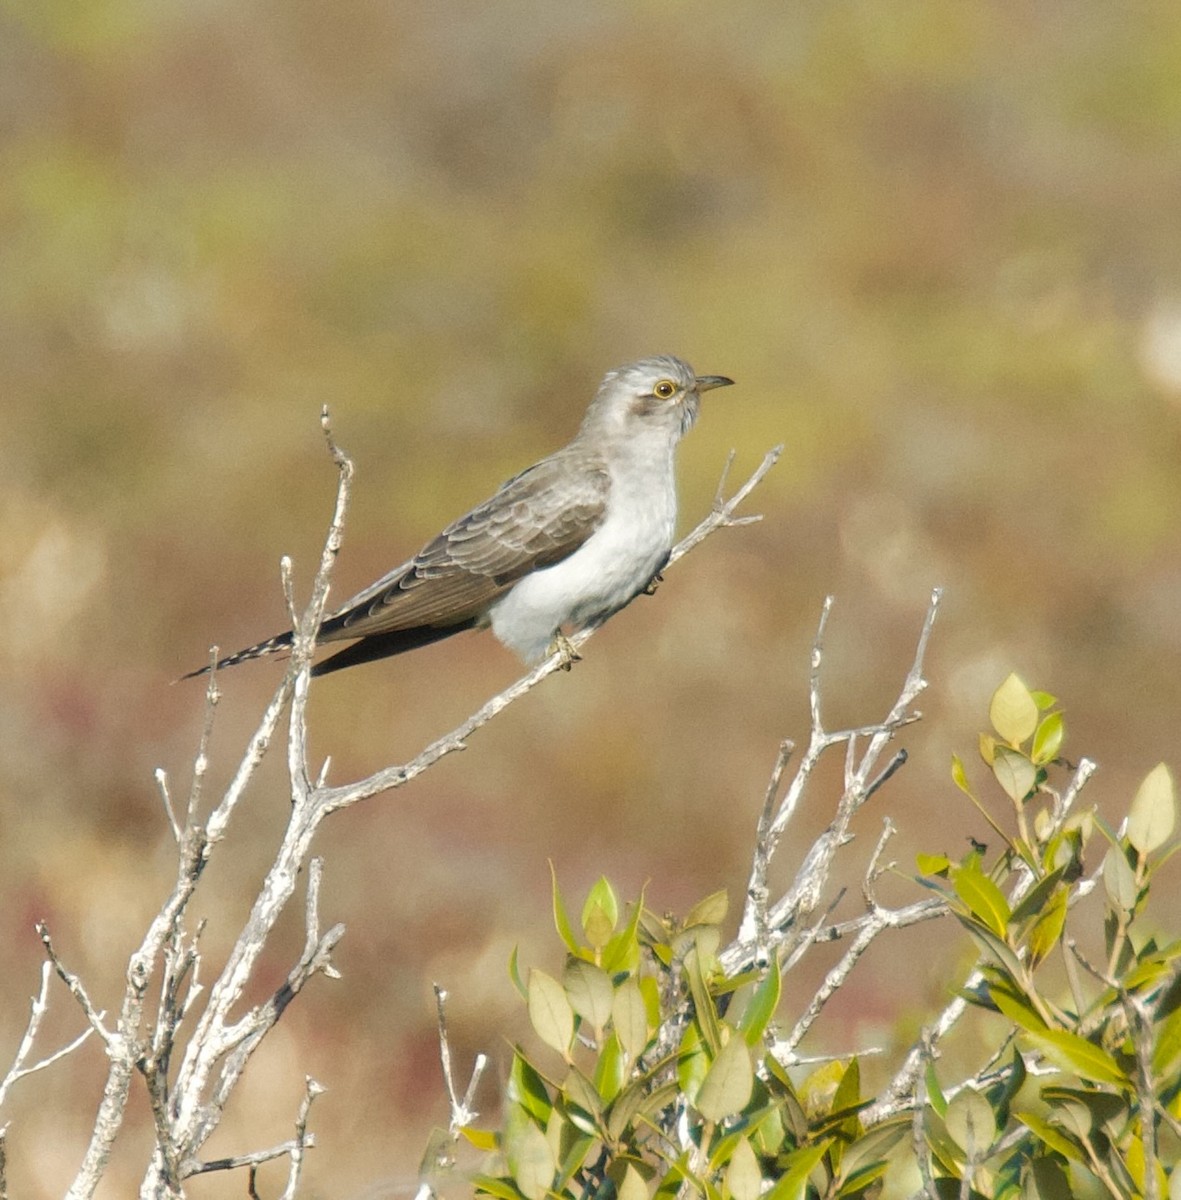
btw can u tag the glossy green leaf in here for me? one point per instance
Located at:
(744, 1178)
(1052, 1137)
(959, 777)
(582, 1103)
(995, 948)
(1070, 1052)
(984, 900)
(1035, 899)
(601, 910)
(798, 1165)
(549, 1011)
(727, 1085)
(1047, 929)
(935, 1096)
(589, 990)
(933, 864)
(1013, 711)
(622, 952)
(1047, 741)
(764, 1001)
(1154, 811)
(692, 1061)
(527, 1089)
(611, 1069)
(561, 917)
(490, 1185)
(1018, 1010)
(703, 1003)
(482, 1139)
(1014, 772)
(514, 973)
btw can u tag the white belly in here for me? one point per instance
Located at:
(613, 565)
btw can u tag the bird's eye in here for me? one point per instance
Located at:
(665, 389)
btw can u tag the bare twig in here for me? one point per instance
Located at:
(761, 927)
(38, 1008)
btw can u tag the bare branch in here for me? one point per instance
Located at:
(333, 798)
(38, 1008)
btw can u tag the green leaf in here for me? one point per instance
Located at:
(1024, 1015)
(743, 1176)
(1048, 927)
(960, 778)
(1043, 699)
(1047, 1180)
(935, 1096)
(971, 1122)
(589, 990)
(1070, 1052)
(1166, 1053)
(530, 1160)
(798, 1165)
(710, 911)
(1014, 772)
(482, 1139)
(611, 1069)
(984, 900)
(993, 946)
(1048, 739)
(1119, 881)
(514, 973)
(527, 1089)
(692, 1061)
(703, 1004)
(1013, 711)
(629, 1018)
(632, 1186)
(622, 952)
(582, 1103)
(1154, 811)
(1050, 1137)
(874, 1147)
(550, 1012)
(600, 913)
(727, 1085)
(933, 864)
(763, 1003)
(561, 917)
(489, 1185)
(1034, 900)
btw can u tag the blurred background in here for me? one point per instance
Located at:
(938, 246)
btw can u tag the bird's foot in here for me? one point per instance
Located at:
(567, 655)
(653, 584)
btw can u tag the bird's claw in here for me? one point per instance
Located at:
(567, 655)
(653, 584)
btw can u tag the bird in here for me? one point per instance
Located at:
(562, 545)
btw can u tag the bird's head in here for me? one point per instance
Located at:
(661, 393)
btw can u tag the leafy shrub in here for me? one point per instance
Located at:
(664, 1074)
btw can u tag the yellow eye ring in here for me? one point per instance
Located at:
(665, 389)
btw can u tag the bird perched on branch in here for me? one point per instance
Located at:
(564, 544)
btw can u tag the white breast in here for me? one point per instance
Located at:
(612, 566)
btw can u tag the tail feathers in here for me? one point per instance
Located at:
(281, 641)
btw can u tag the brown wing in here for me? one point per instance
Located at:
(535, 520)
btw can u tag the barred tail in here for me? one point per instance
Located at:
(281, 641)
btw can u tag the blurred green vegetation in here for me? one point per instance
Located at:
(937, 245)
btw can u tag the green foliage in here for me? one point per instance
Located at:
(656, 1075)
